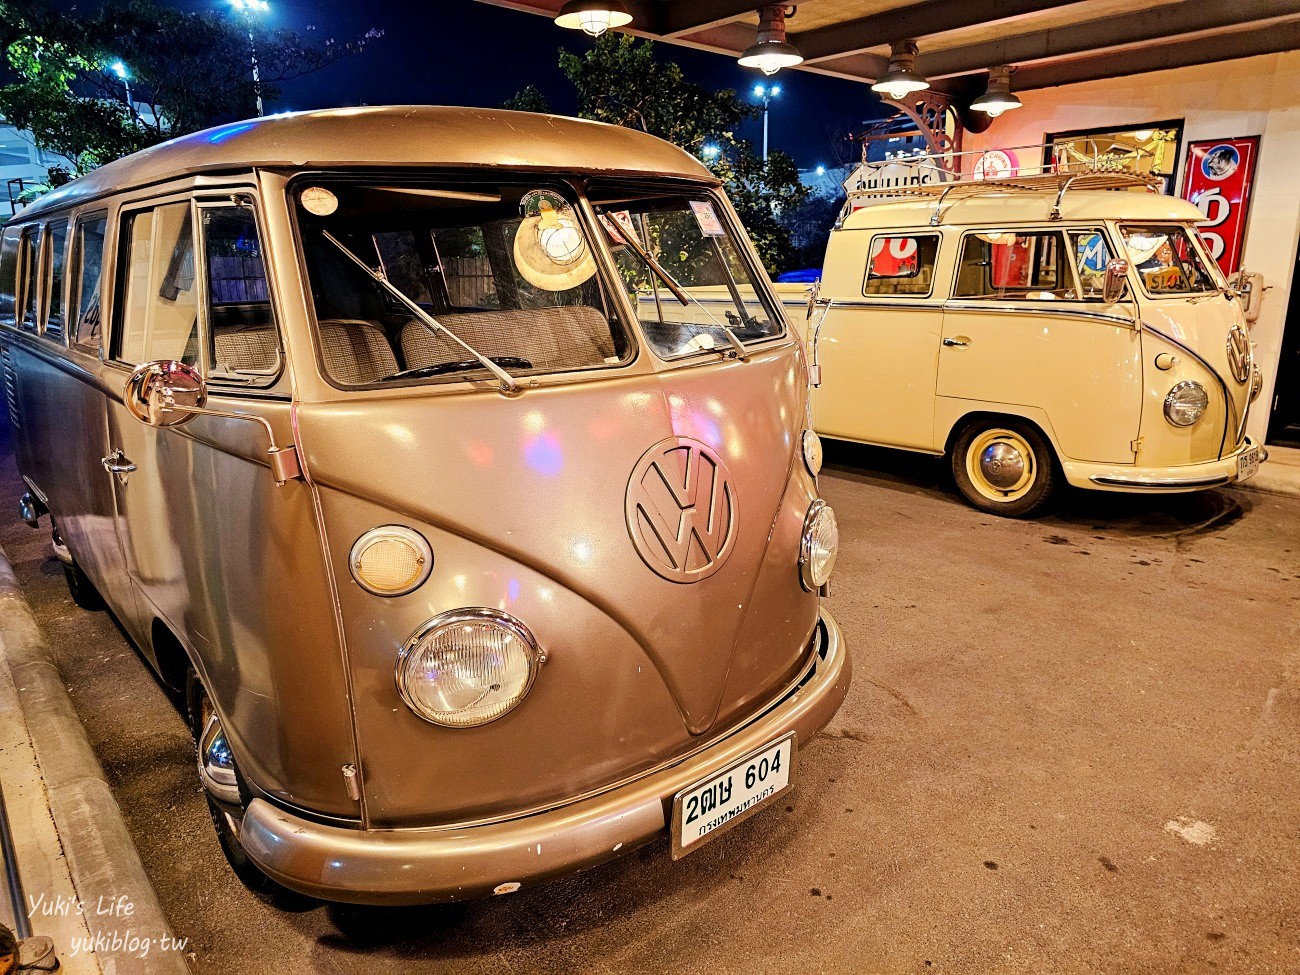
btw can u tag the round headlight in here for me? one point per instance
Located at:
(390, 561)
(467, 667)
(821, 544)
(812, 452)
(1186, 403)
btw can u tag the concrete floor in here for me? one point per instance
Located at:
(1072, 745)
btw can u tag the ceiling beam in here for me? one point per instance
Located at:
(1149, 25)
(678, 17)
(918, 20)
(1272, 39)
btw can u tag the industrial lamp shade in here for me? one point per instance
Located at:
(901, 79)
(771, 52)
(593, 16)
(998, 98)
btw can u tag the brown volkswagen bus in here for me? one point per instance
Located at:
(389, 436)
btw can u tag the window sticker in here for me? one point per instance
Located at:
(710, 225)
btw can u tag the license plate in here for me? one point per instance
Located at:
(709, 808)
(1248, 463)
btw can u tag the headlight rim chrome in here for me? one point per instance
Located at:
(806, 575)
(458, 617)
(408, 535)
(810, 444)
(1173, 395)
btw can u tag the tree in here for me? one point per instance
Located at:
(188, 71)
(619, 80)
(528, 99)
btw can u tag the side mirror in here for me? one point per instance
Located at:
(1116, 283)
(1249, 287)
(165, 393)
(168, 393)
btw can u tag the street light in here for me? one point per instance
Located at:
(249, 8)
(124, 76)
(710, 151)
(767, 93)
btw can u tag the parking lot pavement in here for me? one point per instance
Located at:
(1071, 746)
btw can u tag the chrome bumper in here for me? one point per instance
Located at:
(1191, 477)
(421, 866)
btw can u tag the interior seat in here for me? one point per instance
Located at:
(251, 348)
(563, 337)
(356, 351)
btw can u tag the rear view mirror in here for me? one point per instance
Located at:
(167, 393)
(1116, 281)
(164, 393)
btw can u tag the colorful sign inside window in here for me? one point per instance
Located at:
(1217, 178)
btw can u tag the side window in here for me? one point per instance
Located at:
(243, 343)
(1091, 255)
(1014, 266)
(57, 232)
(29, 265)
(86, 273)
(9, 274)
(901, 265)
(157, 316)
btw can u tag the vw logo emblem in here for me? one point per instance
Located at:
(681, 510)
(1239, 353)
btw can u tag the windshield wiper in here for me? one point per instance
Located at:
(628, 237)
(508, 382)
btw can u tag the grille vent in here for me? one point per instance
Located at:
(11, 387)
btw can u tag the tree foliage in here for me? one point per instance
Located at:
(528, 99)
(187, 71)
(620, 80)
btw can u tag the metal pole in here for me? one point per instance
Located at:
(257, 81)
(764, 128)
(14, 883)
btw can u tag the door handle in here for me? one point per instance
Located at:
(116, 463)
(958, 343)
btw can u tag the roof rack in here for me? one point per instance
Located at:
(1058, 173)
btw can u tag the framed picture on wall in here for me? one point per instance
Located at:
(1151, 148)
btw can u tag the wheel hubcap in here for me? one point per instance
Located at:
(1002, 465)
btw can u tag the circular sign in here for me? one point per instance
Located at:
(996, 164)
(1220, 162)
(681, 510)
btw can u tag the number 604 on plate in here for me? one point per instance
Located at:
(712, 806)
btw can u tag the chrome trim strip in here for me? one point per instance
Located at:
(1160, 483)
(1223, 386)
(921, 303)
(1019, 308)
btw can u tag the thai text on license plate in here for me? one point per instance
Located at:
(1248, 463)
(711, 807)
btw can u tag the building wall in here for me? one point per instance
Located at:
(1252, 96)
(19, 159)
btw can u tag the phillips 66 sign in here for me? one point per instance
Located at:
(1217, 179)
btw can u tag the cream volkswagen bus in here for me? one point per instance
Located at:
(1047, 328)
(473, 574)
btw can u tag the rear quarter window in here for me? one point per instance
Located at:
(8, 274)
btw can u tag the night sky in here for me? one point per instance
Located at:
(459, 52)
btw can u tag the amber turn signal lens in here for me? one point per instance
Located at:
(390, 561)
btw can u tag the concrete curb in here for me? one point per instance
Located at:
(99, 850)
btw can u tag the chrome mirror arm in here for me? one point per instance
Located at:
(285, 465)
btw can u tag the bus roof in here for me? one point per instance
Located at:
(397, 135)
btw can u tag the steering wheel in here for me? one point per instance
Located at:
(463, 365)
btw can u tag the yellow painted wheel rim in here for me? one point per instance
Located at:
(991, 465)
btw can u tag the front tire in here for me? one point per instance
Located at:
(227, 815)
(1005, 467)
(83, 591)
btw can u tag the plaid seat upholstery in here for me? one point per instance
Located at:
(249, 349)
(356, 351)
(565, 337)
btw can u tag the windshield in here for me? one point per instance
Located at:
(1167, 261)
(453, 279)
(684, 272)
